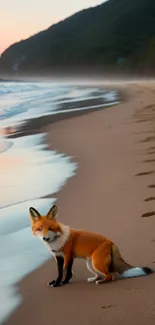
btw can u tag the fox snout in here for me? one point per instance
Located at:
(47, 239)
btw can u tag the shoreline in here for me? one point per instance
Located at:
(36, 124)
(103, 198)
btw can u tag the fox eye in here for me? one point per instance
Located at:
(39, 229)
(50, 229)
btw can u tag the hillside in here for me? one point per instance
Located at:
(117, 33)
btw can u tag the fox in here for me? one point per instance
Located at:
(102, 256)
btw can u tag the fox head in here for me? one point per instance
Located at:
(47, 228)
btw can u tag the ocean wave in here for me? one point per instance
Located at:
(12, 88)
(20, 101)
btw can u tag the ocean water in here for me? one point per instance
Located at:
(29, 172)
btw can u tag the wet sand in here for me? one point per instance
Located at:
(113, 188)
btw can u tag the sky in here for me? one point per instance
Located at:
(20, 19)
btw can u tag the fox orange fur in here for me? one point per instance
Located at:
(100, 253)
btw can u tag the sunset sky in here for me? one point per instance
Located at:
(20, 19)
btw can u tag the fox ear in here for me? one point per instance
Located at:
(53, 213)
(34, 215)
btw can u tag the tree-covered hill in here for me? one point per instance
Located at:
(117, 33)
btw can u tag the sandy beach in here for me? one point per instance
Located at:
(113, 188)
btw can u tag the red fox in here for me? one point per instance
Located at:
(102, 256)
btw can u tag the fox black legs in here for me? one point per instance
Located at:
(69, 272)
(60, 264)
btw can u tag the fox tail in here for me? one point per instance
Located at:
(124, 269)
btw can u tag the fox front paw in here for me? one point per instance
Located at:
(54, 283)
(67, 278)
(65, 281)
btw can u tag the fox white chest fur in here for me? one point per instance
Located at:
(55, 241)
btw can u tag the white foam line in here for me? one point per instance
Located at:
(75, 109)
(85, 108)
(79, 99)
